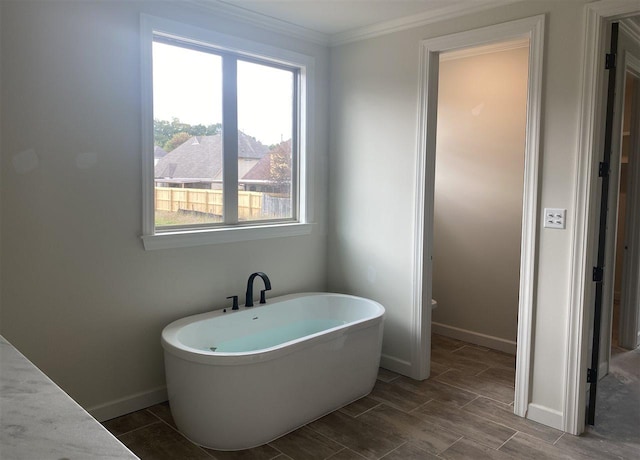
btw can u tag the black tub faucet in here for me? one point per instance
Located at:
(267, 287)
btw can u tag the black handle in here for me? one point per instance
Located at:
(235, 301)
(262, 296)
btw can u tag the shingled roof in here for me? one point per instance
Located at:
(262, 169)
(200, 157)
(158, 152)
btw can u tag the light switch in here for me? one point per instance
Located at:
(554, 217)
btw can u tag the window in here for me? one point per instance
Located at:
(224, 138)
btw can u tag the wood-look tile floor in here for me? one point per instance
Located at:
(464, 411)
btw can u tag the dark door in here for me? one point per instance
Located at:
(592, 374)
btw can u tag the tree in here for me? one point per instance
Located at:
(177, 140)
(164, 131)
(198, 130)
(214, 129)
(280, 165)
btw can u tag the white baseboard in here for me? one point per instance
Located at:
(129, 404)
(396, 365)
(546, 416)
(495, 343)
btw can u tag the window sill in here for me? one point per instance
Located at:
(184, 239)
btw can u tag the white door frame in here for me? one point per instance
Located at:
(529, 28)
(585, 221)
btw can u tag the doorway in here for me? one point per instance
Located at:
(629, 316)
(618, 389)
(531, 29)
(623, 319)
(620, 280)
(482, 102)
(598, 18)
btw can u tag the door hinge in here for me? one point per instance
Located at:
(610, 61)
(598, 274)
(592, 375)
(603, 169)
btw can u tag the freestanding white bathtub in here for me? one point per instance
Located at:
(239, 379)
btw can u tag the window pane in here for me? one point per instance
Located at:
(265, 125)
(187, 116)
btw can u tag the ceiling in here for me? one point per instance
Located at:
(332, 17)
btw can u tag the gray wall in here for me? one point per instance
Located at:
(478, 193)
(81, 297)
(374, 107)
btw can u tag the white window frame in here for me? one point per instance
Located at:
(152, 239)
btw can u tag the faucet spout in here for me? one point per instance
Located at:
(249, 295)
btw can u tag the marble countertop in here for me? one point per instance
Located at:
(40, 421)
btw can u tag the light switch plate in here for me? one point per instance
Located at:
(555, 217)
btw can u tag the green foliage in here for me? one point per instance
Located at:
(280, 165)
(177, 139)
(164, 132)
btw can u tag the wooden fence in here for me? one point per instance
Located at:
(251, 205)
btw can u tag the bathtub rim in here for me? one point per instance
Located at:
(171, 344)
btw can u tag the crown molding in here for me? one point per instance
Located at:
(632, 28)
(237, 13)
(486, 49)
(229, 11)
(416, 20)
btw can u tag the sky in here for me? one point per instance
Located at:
(187, 84)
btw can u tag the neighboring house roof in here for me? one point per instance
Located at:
(200, 158)
(262, 169)
(250, 147)
(158, 152)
